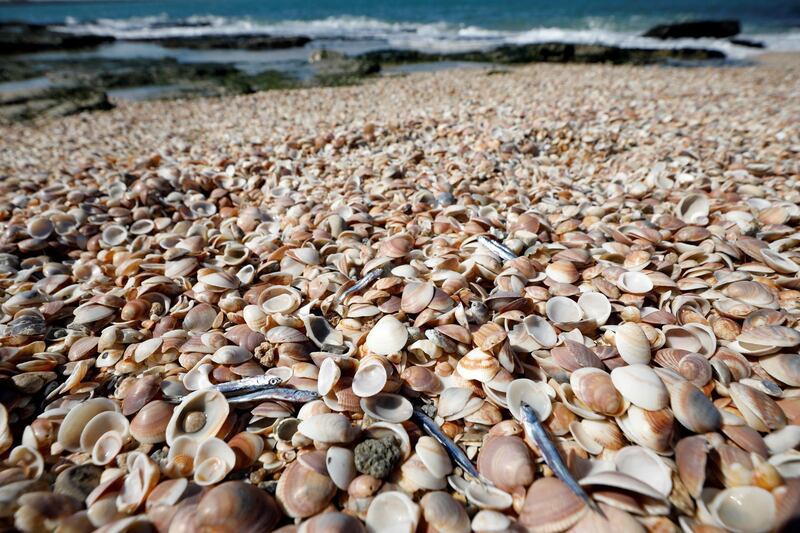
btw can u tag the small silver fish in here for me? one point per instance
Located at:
(251, 384)
(498, 249)
(283, 394)
(536, 431)
(455, 452)
(371, 276)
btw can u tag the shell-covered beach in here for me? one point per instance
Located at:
(411, 262)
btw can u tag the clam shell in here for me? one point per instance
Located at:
(387, 336)
(69, 433)
(506, 461)
(304, 488)
(200, 415)
(533, 393)
(213, 461)
(392, 511)
(632, 344)
(646, 466)
(540, 331)
(651, 429)
(434, 457)
(693, 409)
(783, 367)
(387, 407)
(693, 208)
(331, 428)
(444, 513)
(635, 283)
(416, 297)
(760, 411)
(236, 506)
(149, 426)
(551, 506)
(640, 385)
(595, 306)
(478, 365)
(488, 521)
(331, 523)
(370, 378)
(417, 476)
(488, 497)
(340, 463)
(595, 389)
(744, 509)
(691, 455)
(561, 309)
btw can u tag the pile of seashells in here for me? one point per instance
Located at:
(650, 321)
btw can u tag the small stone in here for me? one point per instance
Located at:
(377, 458)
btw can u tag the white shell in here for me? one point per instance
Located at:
(635, 283)
(644, 465)
(595, 306)
(69, 433)
(632, 344)
(213, 461)
(387, 407)
(434, 456)
(744, 509)
(540, 331)
(341, 466)
(331, 428)
(392, 512)
(370, 378)
(640, 385)
(561, 309)
(534, 393)
(387, 336)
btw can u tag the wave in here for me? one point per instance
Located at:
(432, 36)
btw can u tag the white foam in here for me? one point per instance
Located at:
(435, 36)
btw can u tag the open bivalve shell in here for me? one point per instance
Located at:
(200, 415)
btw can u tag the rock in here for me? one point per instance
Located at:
(241, 42)
(719, 29)
(747, 42)
(377, 458)
(549, 53)
(21, 38)
(330, 66)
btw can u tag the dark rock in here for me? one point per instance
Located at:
(51, 102)
(747, 42)
(330, 66)
(719, 29)
(549, 53)
(21, 38)
(241, 42)
(78, 481)
(377, 457)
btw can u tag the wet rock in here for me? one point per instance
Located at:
(719, 29)
(21, 38)
(240, 42)
(747, 42)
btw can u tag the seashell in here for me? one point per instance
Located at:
(217, 279)
(236, 506)
(488, 521)
(695, 368)
(304, 488)
(541, 331)
(744, 509)
(632, 344)
(444, 513)
(393, 511)
(92, 437)
(561, 309)
(595, 306)
(149, 426)
(331, 428)
(478, 365)
(213, 461)
(692, 408)
(635, 283)
(506, 461)
(114, 235)
(760, 411)
(200, 415)
(69, 433)
(651, 429)
(40, 227)
(321, 333)
(640, 385)
(783, 367)
(279, 299)
(416, 297)
(387, 336)
(533, 393)
(646, 466)
(488, 497)
(200, 318)
(693, 209)
(769, 336)
(142, 478)
(434, 457)
(332, 523)
(574, 355)
(691, 455)
(140, 393)
(340, 464)
(231, 355)
(387, 407)
(615, 520)
(285, 334)
(595, 389)
(782, 440)
(370, 378)
(562, 272)
(416, 476)
(551, 506)
(247, 447)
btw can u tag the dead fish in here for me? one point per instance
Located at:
(240, 386)
(537, 432)
(283, 394)
(371, 276)
(498, 249)
(455, 452)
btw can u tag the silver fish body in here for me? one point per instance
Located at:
(248, 384)
(455, 452)
(536, 431)
(360, 284)
(498, 249)
(283, 394)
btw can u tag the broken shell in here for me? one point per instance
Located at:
(200, 415)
